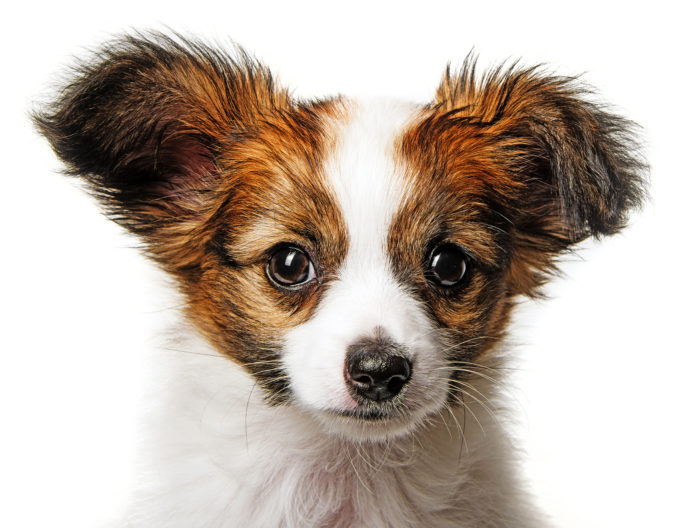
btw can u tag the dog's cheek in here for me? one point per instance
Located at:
(314, 352)
(245, 319)
(313, 358)
(474, 320)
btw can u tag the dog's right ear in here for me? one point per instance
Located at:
(145, 122)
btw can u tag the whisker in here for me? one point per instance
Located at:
(479, 365)
(264, 362)
(472, 387)
(459, 345)
(480, 374)
(469, 409)
(246, 413)
(448, 429)
(480, 402)
(266, 371)
(463, 439)
(181, 351)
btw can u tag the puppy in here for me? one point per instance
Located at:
(348, 270)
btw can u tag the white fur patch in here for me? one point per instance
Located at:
(364, 294)
(214, 454)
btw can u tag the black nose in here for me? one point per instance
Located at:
(376, 370)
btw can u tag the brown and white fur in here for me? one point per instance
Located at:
(228, 180)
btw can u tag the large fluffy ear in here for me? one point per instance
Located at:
(144, 120)
(573, 169)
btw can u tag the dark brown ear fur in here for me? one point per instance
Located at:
(144, 122)
(574, 170)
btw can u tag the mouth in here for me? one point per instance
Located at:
(365, 415)
(368, 424)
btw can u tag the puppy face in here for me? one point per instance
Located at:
(356, 258)
(369, 355)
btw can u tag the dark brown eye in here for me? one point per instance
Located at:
(447, 265)
(290, 267)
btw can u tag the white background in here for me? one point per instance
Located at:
(600, 362)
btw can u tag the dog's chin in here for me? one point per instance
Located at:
(368, 425)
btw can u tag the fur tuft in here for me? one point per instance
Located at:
(587, 155)
(550, 166)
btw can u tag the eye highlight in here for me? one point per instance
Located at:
(290, 267)
(447, 266)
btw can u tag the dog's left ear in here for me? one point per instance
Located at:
(573, 170)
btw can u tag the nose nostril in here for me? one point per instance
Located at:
(395, 384)
(362, 379)
(376, 373)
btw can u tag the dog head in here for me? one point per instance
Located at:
(359, 259)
